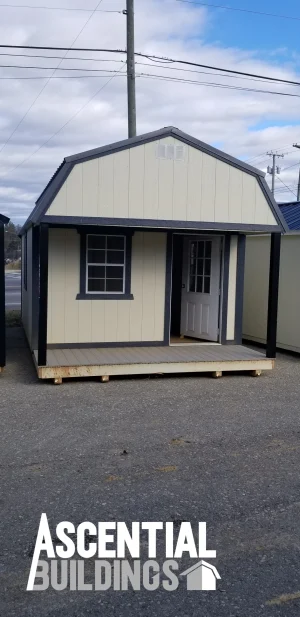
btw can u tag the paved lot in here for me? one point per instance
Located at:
(13, 290)
(226, 452)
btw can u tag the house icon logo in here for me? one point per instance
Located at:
(201, 577)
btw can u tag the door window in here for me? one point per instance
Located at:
(200, 266)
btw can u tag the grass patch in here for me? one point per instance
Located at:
(13, 319)
(14, 265)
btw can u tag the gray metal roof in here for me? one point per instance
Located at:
(60, 176)
(291, 214)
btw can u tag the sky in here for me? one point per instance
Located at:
(44, 120)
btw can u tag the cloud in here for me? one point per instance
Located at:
(245, 124)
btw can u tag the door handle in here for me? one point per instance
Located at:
(183, 286)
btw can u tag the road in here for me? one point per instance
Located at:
(13, 290)
(223, 451)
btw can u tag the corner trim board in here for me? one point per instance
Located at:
(43, 302)
(35, 288)
(168, 288)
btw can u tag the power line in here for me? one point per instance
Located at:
(285, 185)
(62, 127)
(45, 85)
(231, 8)
(215, 85)
(263, 154)
(170, 68)
(62, 58)
(49, 68)
(52, 68)
(154, 58)
(290, 167)
(55, 8)
(148, 76)
(41, 77)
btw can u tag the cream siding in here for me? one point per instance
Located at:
(230, 335)
(103, 321)
(256, 291)
(136, 183)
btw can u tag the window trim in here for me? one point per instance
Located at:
(92, 295)
(106, 264)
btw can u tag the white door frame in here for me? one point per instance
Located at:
(221, 296)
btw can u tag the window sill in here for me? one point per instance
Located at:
(112, 296)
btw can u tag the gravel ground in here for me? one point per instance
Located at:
(222, 451)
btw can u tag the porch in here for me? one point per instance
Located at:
(104, 362)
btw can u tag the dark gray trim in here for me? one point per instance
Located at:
(168, 288)
(239, 301)
(63, 171)
(105, 345)
(225, 286)
(48, 195)
(168, 131)
(273, 295)
(35, 286)
(108, 231)
(154, 224)
(274, 206)
(4, 219)
(43, 300)
(25, 261)
(83, 294)
(87, 296)
(82, 274)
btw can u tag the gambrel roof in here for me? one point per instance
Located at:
(60, 177)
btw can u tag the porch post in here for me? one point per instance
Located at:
(273, 295)
(43, 299)
(2, 300)
(168, 287)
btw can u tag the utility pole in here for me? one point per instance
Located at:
(274, 170)
(298, 190)
(131, 69)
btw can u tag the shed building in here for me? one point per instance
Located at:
(135, 260)
(256, 284)
(3, 221)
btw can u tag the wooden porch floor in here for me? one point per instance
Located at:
(146, 360)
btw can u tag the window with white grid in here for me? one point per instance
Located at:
(200, 266)
(105, 264)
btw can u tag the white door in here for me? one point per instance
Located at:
(200, 298)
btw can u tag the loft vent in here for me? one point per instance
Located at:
(170, 152)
